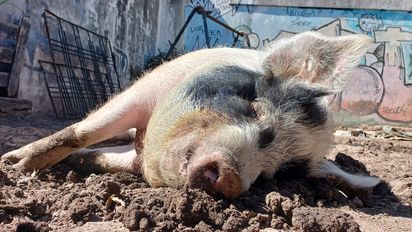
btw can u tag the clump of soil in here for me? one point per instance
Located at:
(61, 199)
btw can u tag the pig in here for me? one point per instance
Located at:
(217, 119)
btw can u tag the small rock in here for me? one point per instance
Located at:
(72, 176)
(335, 204)
(321, 203)
(277, 223)
(19, 193)
(144, 224)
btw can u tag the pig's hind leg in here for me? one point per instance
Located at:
(326, 168)
(106, 159)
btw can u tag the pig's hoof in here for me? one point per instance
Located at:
(25, 165)
(12, 157)
(23, 161)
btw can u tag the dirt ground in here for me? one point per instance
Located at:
(60, 199)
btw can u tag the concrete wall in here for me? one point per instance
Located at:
(380, 89)
(136, 29)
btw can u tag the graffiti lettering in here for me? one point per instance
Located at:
(403, 109)
(301, 23)
(223, 6)
(212, 33)
(303, 12)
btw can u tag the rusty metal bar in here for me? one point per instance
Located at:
(205, 14)
(225, 25)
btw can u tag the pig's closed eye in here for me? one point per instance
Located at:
(266, 137)
(255, 111)
(251, 112)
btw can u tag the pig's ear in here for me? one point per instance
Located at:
(316, 58)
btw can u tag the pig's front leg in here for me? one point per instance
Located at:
(118, 115)
(130, 109)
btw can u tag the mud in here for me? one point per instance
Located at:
(60, 199)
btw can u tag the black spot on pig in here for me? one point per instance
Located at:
(266, 137)
(308, 100)
(269, 88)
(225, 81)
(227, 90)
(314, 114)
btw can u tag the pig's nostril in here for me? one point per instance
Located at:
(216, 177)
(204, 177)
(211, 174)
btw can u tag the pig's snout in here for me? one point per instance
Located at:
(216, 176)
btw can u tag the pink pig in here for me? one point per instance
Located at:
(216, 119)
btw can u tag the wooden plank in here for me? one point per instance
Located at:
(14, 105)
(19, 57)
(6, 55)
(10, 29)
(4, 79)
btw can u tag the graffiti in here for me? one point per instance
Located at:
(195, 33)
(303, 16)
(252, 36)
(219, 8)
(212, 33)
(199, 32)
(197, 44)
(92, 23)
(223, 6)
(299, 12)
(370, 22)
(208, 5)
(380, 88)
(246, 5)
(403, 109)
(301, 23)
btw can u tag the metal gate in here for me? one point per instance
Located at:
(82, 73)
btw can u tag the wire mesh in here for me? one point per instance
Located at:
(82, 73)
